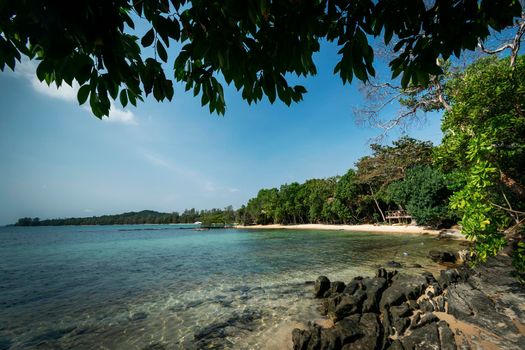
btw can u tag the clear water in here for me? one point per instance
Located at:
(161, 287)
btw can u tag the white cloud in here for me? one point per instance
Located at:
(27, 70)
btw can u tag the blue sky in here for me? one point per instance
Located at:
(57, 160)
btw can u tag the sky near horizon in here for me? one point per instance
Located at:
(58, 160)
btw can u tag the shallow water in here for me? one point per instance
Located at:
(135, 287)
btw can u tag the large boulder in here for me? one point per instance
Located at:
(403, 288)
(322, 284)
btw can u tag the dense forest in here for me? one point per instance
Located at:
(400, 176)
(189, 216)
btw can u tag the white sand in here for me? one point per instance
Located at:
(400, 229)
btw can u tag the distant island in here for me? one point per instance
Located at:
(189, 216)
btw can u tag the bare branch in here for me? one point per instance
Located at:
(513, 46)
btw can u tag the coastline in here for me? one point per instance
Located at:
(393, 229)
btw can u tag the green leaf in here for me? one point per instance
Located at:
(83, 93)
(162, 52)
(148, 38)
(123, 98)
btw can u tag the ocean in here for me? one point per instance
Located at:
(170, 287)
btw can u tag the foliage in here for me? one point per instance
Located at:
(342, 199)
(189, 216)
(424, 193)
(254, 44)
(484, 133)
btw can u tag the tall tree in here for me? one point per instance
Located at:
(484, 135)
(390, 163)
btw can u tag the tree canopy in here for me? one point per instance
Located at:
(256, 45)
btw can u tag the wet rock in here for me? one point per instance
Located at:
(382, 273)
(322, 284)
(300, 339)
(49, 336)
(155, 346)
(393, 264)
(442, 257)
(352, 286)
(337, 287)
(213, 335)
(138, 316)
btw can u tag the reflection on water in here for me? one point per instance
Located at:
(118, 287)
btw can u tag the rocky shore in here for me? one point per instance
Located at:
(461, 308)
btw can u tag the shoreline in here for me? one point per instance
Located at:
(392, 229)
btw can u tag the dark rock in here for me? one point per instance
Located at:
(393, 264)
(429, 276)
(369, 328)
(402, 310)
(373, 288)
(439, 303)
(322, 284)
(416, 266)
(138, 316)
(424, 320)
(337, 287)
(442, 257)
(381, 273)
(352, 286)
(472, 305)
(396, 319)
(348, 329)
(300, 339)
(446, 337)
(413, 304)
(309, 283)
(348, 305)
(403, 288)
(448, 277)
(396, 345)
(423, 338)
(426, 306)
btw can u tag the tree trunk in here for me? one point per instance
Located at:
(377, 204)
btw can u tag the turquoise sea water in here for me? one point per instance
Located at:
(162, 287)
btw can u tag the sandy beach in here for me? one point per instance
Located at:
(399, 229)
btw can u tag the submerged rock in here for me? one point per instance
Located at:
(393, 264)
(442, 257)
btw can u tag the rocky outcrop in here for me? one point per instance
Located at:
(396, 311)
